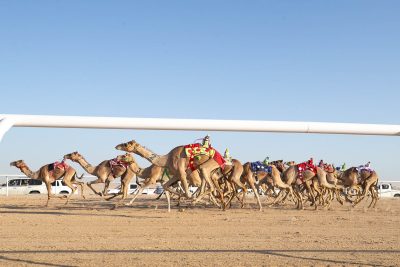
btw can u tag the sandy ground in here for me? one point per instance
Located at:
(88, 233)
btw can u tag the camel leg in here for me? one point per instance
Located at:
(136, 194)
(240, 185)
(98, 181)
(183, 177)
(106, 186)
(81, 184)
(78, 183)
(49, 194)
(255, 190)
(73, 189)
(167, 194)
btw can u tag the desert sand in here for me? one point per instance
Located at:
(89, 233)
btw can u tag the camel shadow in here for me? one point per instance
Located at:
(284, 253)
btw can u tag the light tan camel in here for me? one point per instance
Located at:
(368, 181)
(291, 176)
(105, 172)
(177, 163)
(50, 173)
(254, 180)
(226, 180)
(151, 175)
(154, 174)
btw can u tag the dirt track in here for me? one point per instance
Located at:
(88, 233)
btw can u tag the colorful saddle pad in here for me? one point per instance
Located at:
(194, 150)
(258, 166)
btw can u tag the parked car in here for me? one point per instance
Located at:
(25, 186)
(132, 189)
(386, 190)
(59, 187)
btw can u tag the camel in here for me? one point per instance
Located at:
(227, 180)
(177, 162)
(255, 179)
(153, 174)
(105, 172)
(291, 174)
(50, 173)
(370, 182)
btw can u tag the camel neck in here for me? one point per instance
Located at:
(86, 165)
(151, 156)
(29, 173)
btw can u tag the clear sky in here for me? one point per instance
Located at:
(334, 61)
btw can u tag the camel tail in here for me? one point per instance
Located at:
(78, 177)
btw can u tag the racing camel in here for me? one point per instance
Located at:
(50, 173)
(178, 160)
(105, 172)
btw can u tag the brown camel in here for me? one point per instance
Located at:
(50, 173)
(105, 172)
(154, 174)
(254, 180)
(151, 175)
(368, 182)
(177, 162)
(291, 176)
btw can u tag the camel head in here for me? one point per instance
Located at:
(74, 156)
(130, 146)
(18, 163)
(129, 159)
(290, 163)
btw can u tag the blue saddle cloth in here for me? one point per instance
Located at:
(260, 167)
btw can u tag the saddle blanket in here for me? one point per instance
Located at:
(194, 150)
(363, 168)
(302, 167)
(57, 165)
(258, 166)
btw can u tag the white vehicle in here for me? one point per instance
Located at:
(25, 186)
(59, 187)
(132, 189)
(386, 190)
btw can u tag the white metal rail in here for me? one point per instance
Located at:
(11, 120)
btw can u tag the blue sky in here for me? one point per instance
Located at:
(335, 61)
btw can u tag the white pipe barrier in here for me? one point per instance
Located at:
(12, 120)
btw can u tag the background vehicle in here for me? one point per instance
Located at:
(131, 190)
(25, 186)
(386, 190)
(59, 187)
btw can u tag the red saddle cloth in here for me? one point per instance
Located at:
(61, 165)
(57, 165)
(193, 150)
(115, 162)
(304, 166)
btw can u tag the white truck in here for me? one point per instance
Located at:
(386, 190)
(26, 186)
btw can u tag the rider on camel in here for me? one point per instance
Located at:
(206, 141)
